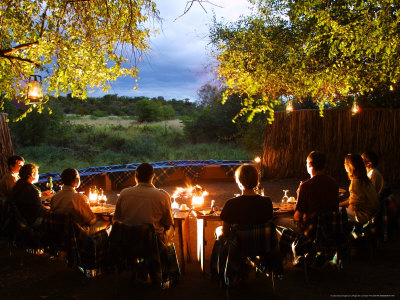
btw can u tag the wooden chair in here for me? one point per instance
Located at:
(57, 234)
(138, 249)
(255, 246)
(325, 241)
(89, 252)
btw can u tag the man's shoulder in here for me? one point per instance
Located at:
(321, 179)
(163, 192)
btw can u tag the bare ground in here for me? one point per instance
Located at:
(368, 277)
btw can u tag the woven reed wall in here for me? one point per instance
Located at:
(6, 148)
(290, 138)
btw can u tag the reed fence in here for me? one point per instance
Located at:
(290, 138)
(6, 148)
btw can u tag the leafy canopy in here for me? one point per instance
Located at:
(326, 50)
(75, 44)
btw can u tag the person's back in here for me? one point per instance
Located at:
(319, 193)
(26, 196)
(363, 200)
(144, 203)
(68, 201)
(246, 210)
(7, 183)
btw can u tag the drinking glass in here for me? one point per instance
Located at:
(285, 197)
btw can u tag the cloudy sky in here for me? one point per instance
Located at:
(176, 67)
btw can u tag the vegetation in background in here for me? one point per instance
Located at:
(326, 51)
(56, 140)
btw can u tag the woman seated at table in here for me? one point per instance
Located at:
(69, 201)
(247, 209)
(26, 196)
(363, 200)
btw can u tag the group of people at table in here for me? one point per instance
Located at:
(144, 203)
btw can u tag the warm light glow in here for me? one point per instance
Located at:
(197, 201)
(195, 193)
(355, 109)
(289, 106)
(200, 228)
(174, 204)
(257, 159)
(93, 198)
(35, 94)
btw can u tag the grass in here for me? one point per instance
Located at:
(85, 144)
(125, 121)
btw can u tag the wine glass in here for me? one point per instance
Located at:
(285, 197)
(102, 200)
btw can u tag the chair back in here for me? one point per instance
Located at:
(91, 250)
(256, 239)
(332, 229)
(6, 219)
(139, 239)
(57, 231)
(132, 243)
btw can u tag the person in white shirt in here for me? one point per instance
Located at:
(144, 203)
(70, 202)
(371, 162)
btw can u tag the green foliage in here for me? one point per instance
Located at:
(213, 120)
(327, 51)
(77, 44)
(153, 110)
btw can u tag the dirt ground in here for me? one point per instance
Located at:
(26, 276)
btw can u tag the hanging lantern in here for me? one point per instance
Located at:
(35, 94)
(289, 106)
(355, 109)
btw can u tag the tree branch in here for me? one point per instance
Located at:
(16, 48)
(12, 58)
(189, 5)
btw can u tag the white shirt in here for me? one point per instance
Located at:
(144, 203)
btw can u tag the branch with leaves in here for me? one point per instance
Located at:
(75, 45)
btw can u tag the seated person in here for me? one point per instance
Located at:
(317, 194)
(26, 196)
(370, 160)
(8, 181)
(144, 203)
(69, 201)
(247, 209)
(363, 201)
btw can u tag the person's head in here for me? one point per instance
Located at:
(355, 168)
(15, 163)
(144, 173)
(71, 177)
(29, 173)
(315, 162)
(370, 159)
(247, 177)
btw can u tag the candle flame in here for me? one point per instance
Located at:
(195, 193)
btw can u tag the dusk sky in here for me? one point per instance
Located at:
(176, 67)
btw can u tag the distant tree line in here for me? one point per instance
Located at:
(144, 108)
